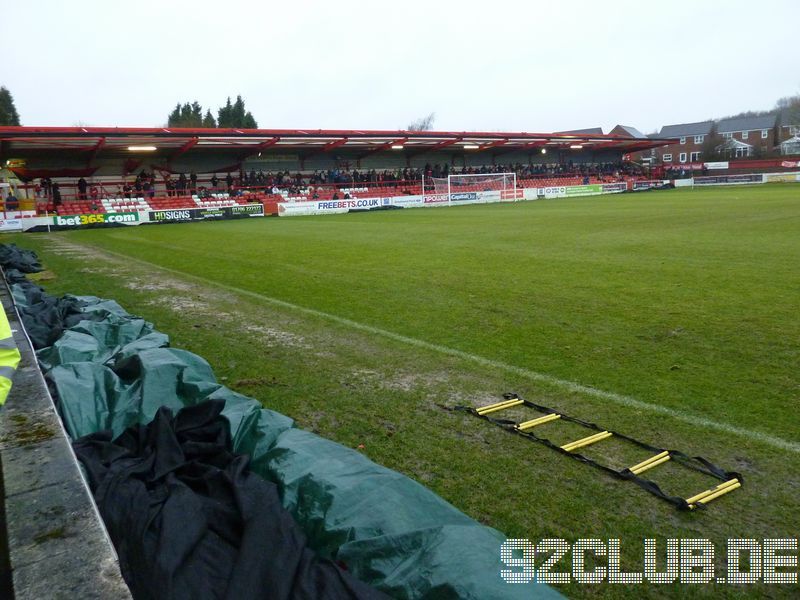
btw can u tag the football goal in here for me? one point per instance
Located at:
(465, 188)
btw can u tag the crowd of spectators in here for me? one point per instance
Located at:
(48, 189)
(336, 177)
(610, 171)
(298, 182)
(393, 177)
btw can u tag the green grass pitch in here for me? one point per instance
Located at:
(669, 316)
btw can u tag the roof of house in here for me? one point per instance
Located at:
(733, 143)
(686, 129)
(746, 123)
(628, 130)
(792, 141)
(588, 130)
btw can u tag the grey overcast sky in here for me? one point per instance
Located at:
(491, 66)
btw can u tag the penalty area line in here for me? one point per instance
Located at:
(565, 384)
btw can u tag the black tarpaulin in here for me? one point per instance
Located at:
(189, 520)
(13, 257)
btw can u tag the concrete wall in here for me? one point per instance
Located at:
(57, 545)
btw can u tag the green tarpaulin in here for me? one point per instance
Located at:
(111, 370)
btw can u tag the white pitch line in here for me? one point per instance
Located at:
(570, 386)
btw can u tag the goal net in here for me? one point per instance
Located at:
(464, 188)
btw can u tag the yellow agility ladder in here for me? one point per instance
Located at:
(730, 480)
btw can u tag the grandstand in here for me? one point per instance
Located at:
(324, 164)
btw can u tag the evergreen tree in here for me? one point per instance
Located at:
(186, 114)
(238, 113)
(711, 144)
(249, 121)
(196, 119)
(174, 118)
(225, 115)
(232, 115)
(8, 112)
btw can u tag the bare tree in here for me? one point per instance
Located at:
(422, 124)
(788, 101)
(789, 107)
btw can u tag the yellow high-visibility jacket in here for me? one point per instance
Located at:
(9, 357)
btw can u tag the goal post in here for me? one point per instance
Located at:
(467, 187)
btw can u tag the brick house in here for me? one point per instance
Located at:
(628, 131)
(747, 136)
(736, 137)
(688, 149)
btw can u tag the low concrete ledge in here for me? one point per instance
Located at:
(57, 544)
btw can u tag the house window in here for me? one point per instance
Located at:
(667, 158)
(683, 140)
(764, 134)
(727, 135)
(698, 139)
(682, 157)
(745, 134)
(694, 157)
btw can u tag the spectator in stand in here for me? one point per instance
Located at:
(56, 192)
(335, 196)
(126, 190)
(170, 185)
(12, 203)
(45, 184)
(229, 182)
(214, 182)
(180, 186)
(82, 185)
(193, 182)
